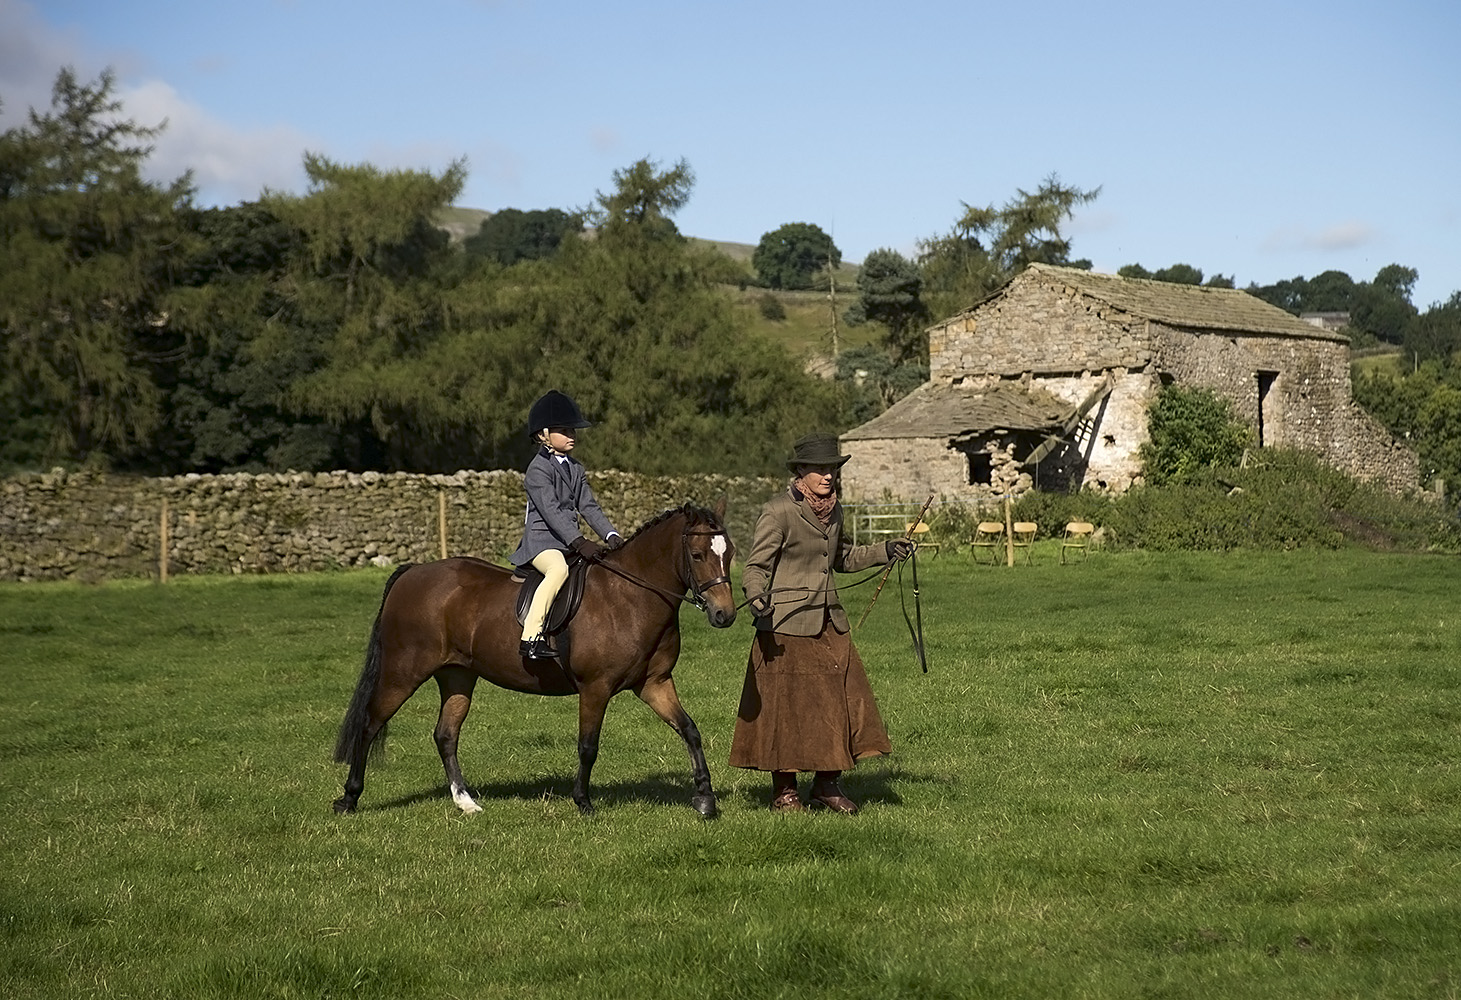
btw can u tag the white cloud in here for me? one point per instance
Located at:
(31, 53)
(604, 139)
(1341, 236)
(229, 164)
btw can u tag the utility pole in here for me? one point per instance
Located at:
(832, 303)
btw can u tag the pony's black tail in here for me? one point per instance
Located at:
(347, 745)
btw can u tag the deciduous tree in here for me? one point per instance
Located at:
(512, 235)
(791, 256)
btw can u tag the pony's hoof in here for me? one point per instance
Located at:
(705, 806)
(585, 808)
(343, 806)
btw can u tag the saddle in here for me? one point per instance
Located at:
(565, 604)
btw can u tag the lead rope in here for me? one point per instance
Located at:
(916, 636)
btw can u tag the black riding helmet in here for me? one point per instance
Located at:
(555, 409)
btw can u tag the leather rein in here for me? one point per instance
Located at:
(697, 589)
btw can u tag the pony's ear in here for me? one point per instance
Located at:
(719, 509)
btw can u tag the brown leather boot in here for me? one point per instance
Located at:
(827, 794)
(783, 792)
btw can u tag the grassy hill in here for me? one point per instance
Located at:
(461, 222)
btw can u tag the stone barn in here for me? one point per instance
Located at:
(1047, 383)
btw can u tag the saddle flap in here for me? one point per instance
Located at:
(565, 604)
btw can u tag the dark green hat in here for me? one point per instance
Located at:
(817, 448)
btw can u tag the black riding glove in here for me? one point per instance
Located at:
(614, 542)
(760, 606)
(898, 548)
(592, 551)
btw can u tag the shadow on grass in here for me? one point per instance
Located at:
(870, 784)
(660, 789)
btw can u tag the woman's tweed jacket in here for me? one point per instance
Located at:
(792, 549)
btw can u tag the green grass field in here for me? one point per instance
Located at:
(1186, 775)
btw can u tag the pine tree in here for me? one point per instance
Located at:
(87, 249)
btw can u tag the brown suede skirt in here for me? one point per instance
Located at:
(806, 705)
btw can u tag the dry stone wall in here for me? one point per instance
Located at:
(92, 526)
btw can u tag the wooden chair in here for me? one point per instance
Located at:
(988, 535)
(1077, 536)
(1024, 538)
(918, 533)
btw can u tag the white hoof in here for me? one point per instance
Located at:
(464, 801)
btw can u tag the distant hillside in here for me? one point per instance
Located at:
(805, 329)
(461, 222)
(846, 271)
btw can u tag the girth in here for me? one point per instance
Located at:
(565, 604)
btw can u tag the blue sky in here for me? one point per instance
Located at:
(1260, 140)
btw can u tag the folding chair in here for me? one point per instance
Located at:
(1077, 536)
(1024, 538)
(988, 535)
(918, 533)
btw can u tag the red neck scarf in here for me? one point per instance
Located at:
(821, 506)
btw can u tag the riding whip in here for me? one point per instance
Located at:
(911, 529)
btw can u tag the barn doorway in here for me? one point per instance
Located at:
(1269, 424)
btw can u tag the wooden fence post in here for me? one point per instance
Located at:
(441, 518)
(1009, 534)
(162, 548)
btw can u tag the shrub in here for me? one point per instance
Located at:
(1278, 500)
(771, 308)
(1190, 430)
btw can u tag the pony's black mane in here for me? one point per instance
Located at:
(696, 515)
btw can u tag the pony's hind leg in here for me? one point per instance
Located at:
(455, 684)
(660, 695)
(357, 749)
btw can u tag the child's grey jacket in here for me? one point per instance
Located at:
(558, 493)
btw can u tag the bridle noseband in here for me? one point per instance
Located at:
(698, 589)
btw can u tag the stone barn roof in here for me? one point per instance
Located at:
(950, 411)
(1189, 306)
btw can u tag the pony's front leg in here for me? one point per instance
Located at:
(592, 703)
(455, 684)
(661, 696)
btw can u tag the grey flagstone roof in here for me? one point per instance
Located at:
(948, 411)
(1190, 306)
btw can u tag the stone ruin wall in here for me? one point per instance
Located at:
(1080, 341)
(901, 468)
(1076, 334)
(1106, 452)
(1311, 401)
(91, 526)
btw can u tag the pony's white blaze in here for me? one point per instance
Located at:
(463, 800)
(718, 546)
